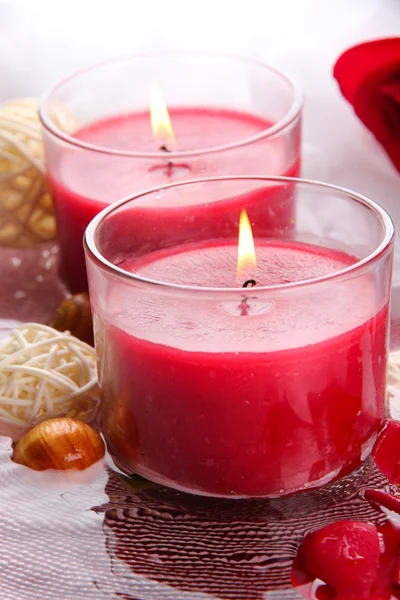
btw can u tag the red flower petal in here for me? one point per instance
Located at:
(344, 555)
(358, 63)
(369, 78)
(386, 452)
(378, 499)
(387, 578)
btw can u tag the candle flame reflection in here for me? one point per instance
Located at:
(246, 264)
(160, 120)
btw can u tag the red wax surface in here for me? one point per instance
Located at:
(84, 182)
(201, 397)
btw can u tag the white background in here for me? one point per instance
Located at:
(40, 42)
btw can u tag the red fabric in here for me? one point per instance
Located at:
(369, 78)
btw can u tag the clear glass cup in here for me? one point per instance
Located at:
(223, 390)
(229, 115)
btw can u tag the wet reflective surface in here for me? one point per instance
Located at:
(98, 535)
(94, 534)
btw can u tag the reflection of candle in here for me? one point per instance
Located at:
(266, 404)
(87, 181)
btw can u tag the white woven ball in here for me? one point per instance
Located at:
(46, 373)
(26, 212)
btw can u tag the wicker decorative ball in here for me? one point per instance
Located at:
(45, 373)
(393, 374)
(26, 213)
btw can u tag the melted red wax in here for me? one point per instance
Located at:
(353, 560)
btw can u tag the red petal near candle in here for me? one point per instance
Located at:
(304, 583)
(379, 499)
(396, 576)
(390, 533)
(369, 78)
(386, 452)
(344, 555)
(389, 571)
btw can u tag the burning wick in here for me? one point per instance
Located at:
(249, 282)
(161, 123)
(244, 307)
(170, 164)
(246, 262)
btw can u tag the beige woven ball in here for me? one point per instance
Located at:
(46, 373)
(26, 213)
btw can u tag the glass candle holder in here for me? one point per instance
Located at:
(226, 115)
(241, 380)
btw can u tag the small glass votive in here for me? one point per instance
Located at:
(228, 376)
(227, 114)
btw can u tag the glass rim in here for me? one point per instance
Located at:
(384, 246)
(291, 114)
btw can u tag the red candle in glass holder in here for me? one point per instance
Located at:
(262, 391)
(194, 128)
(111, 152)
(230, 421)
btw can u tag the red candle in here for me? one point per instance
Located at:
(84, 182)
(214, 385)
(298, 402)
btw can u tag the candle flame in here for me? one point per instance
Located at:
(159, 118)
(246, 264)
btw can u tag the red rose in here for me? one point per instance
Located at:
(369, 78)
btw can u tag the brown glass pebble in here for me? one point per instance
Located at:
(75, 315)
